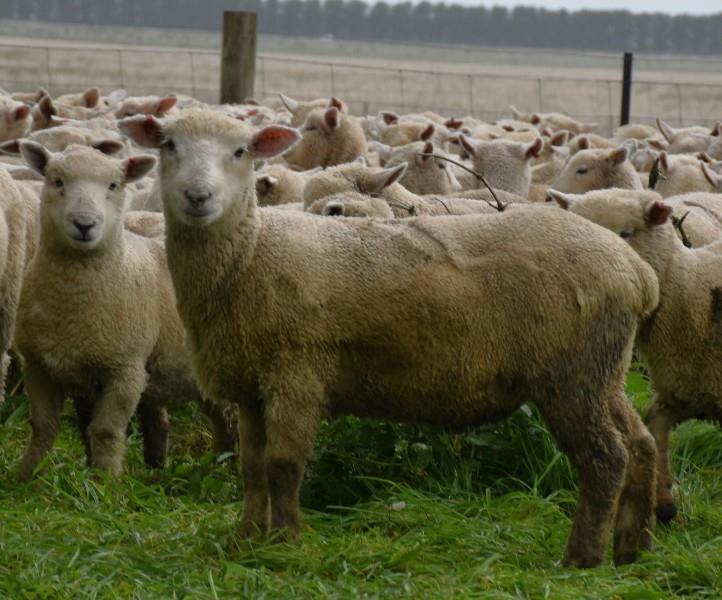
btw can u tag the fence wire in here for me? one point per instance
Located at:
(366, 88)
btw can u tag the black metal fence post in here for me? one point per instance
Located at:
(626, 87)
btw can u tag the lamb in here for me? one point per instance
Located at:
(276, 184)
(146, 105)
(15, 119)
(588, 141)
(83, 328)
(702, 213)
(351, 204)
(408, 132)
(597, 169)
(294, 317)
(505, 165)
(713, 176)
(330, 137)
(687, 139)
(87, 99)
(554, 121)
(634, 131)
(680, 341)
(58, 138)
(300, 110)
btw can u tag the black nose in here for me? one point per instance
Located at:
(197, 198)
(83, 228)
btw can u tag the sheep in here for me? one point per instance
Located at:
(87, 99)
(330, 137)
(58, 138)
(17, 208)
(146, 105)
(505, 165)
(408, 132)
(702, 214)
(554, 121)
(597, 169)
(447, 320)
(681, 174)
(713, 176)
(687, 139)
(680, 341)
(276, 184)
(633, 131)
(15, 119)
(588, 141)
(96, 317)
(46, 113)
(425, 174)
(300, 110)
(351, 204)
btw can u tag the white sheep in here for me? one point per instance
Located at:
(448, 320)
(596, 169)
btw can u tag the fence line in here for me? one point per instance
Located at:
(366, 88)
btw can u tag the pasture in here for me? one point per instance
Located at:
(389, 511)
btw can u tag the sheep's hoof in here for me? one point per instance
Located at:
(624, 558)
(582, 562)
(665, 513)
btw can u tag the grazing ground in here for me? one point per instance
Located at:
(389, 511)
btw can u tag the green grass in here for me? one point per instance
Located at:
(389, 511)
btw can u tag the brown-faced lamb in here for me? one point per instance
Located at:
(454, 321)
(97, 318)
(681, 341)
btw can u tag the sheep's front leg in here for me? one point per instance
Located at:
(661, 419)
(155, 426)
(46, 405)
(119, 398)
(256, 501)
(292, 413)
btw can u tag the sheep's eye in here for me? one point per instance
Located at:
(625, 235)
(58, 183)
(170, 145)
(238, 153)
(113, 186)
(582, 171)
(130, 113)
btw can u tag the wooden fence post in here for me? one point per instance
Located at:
(238, 57)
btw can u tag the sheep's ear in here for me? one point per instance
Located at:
(467, 144)
(519, 116)
(658, 144)
(427, 151)
(631, 145)
(91, 97)
(289, 103)
(664, 162)
(332, 118)
(508, 128)
(588, 127)
(665, 130)
(360, 160)
(535, 119)
(704, 157)
(46, 107)
(658, 212)
(389, 117)
(265, 183)
(11, 147)
(144, 130)
(453, 123)
(56, 121)
(427, 133)
(386, 177)
(618, 155)
(563, 200)
(20, 113)
(165, 104)
(714, 178)
(251, 101)
(108, 147)
(717, 129)
(334, 209)
(35, 155)
(583, 142)
(560, 138)
(273, 140)
(335, 102)
(533, 149)
(137, 167)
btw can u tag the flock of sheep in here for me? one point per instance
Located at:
(283, 261)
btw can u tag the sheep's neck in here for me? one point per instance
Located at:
(662, 250)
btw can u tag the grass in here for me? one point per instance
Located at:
(389, 511)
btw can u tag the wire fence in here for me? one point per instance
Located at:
(443, 88)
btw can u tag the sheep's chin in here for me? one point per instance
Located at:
(198, 217)
(84, 244)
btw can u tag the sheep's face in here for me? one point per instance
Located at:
(635, 216)
(426, 174)
(593, 169)
(206, 161)
(680, 174)
(83, 199)
(15, 119)
(351, 177)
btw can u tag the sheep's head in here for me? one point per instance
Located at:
(83, 199)
(15, 119)
(597, 169)
(506, 165)
(145, 105)
(635, 216)
(426, 174)
(206, 161)
(681, 174)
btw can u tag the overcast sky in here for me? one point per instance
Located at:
(675, 7)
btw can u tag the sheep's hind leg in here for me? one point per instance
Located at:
(154, 425)
(224, 425)
(582, 426)
(84, 415)
(660, 420)
(46, 405)
(256, 502)
(107, 431)
(635, 514)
